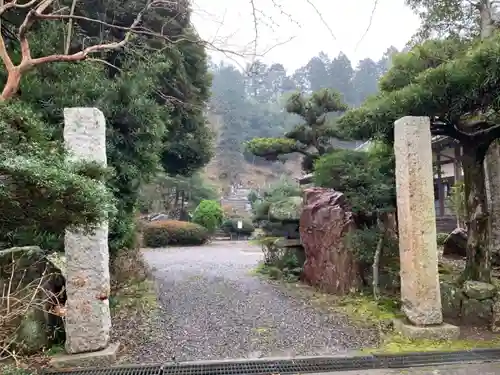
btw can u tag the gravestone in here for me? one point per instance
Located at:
(88, 320)
(420, 289)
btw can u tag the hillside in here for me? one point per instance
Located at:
(251, 176)
(250, 104)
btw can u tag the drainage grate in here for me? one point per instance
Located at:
(258, 367)
(122, 370)
(298, 365)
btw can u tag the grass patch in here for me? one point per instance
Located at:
(260, 270)
(274, 273)
(364, 310)
(13, 370)
(394, 343)
(138, 295)
(55, 350)
(360, 308)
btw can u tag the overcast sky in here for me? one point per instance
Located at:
(229, 24)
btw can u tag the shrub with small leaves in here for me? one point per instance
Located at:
(41, 191)
(231, 226)
(208, 214)
(173, 232)
(441, 237)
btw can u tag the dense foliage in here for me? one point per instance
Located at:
(365, 177)
(230, 226)
(312, 137)
(152, 121)
(172, 233)
(208, 214)
(176, 196)
(251, 105)
(459, 95)
(41, 191)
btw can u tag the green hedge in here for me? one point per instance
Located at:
(173, 232)
(231, 226)
(441, 237)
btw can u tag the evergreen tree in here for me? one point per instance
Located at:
(312, 138)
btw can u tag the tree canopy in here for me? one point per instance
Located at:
(251, 104)
(153, 122)
(456, 85)
(312, 137)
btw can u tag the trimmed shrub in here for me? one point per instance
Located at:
(174, 232)
(441, 237)
(231, 226)
(208, 214)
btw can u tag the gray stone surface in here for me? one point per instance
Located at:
(479, 290)
(88, 320)
(420, 292)
(451, 299)
(477, 312)
(214, 306)
(105, 357)
(441, 331)
(495, 317)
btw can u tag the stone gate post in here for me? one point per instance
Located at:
(420, 289)
(88, 320)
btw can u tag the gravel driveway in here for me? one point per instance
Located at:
(213, 307)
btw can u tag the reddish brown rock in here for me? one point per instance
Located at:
(456, 243)
(324, 223)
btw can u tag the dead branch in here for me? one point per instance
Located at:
(372, 15)
(17, 300)
(70, 28)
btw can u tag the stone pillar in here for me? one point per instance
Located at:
(420, 289)
(88, 320)
(492, 179)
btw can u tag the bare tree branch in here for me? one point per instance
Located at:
(321, 18)
(36, 13)
(375, 4)
(70, 27)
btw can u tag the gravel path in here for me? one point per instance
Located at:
(213, 307)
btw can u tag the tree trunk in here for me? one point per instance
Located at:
(478, 262)
(12, 85)
(491, 164)
(176, 199)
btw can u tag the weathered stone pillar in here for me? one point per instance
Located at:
(492, 177)
(88, 320)
(420, 289)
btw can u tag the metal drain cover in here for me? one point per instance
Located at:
(299, 365)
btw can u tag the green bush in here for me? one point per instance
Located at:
(441, 237)
(231, 226)
(208, 214)
(173, 232)
(42, 192)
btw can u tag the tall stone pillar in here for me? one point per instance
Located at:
(420, 289)
(88, 320)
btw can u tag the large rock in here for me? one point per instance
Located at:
(455, 243)
(477, 313)
(324, 224)
(479, 290)
(37, 284)
(451, 299)
(285, 210)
